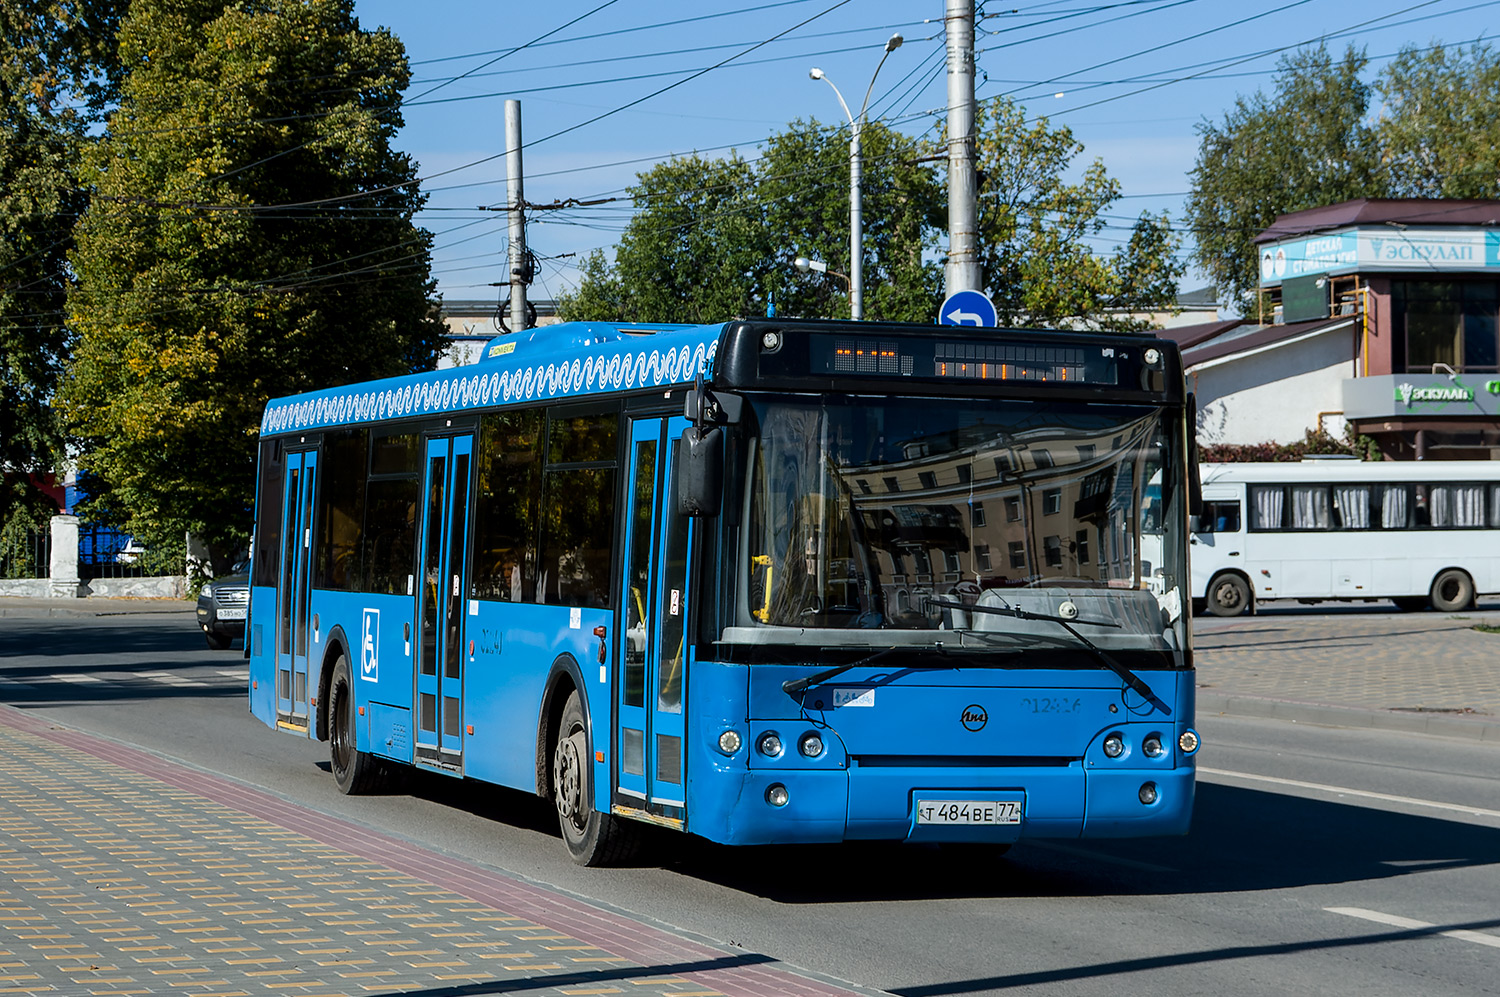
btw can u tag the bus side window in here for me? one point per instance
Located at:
(1220, 517)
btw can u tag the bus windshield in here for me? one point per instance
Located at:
(959, 514)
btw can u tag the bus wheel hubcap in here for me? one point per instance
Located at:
(567, 771)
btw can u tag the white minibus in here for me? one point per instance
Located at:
(1418, 533)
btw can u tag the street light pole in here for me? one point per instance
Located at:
(856, 209)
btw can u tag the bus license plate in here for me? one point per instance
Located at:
(231, 614)
(968, 812)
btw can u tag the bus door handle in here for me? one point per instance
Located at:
(1234, 553)
(601, 632)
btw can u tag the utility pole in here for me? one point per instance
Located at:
(515, 203)
(962, 272)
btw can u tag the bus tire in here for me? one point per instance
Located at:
(356, 772)
(1228, 595)
(592, 838)
(1452, 590)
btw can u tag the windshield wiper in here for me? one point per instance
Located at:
(793, 686)
(1127, 676)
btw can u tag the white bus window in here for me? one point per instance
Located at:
(1353, 505)
(1457, 505)
(1266, 503)
(1495, 505)
(1311, 509)
(1392, 502)
(1220, 517)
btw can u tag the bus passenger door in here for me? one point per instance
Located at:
(443, 579)
(652, 645)
(293, 587)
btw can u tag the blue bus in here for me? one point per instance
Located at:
(764, 582)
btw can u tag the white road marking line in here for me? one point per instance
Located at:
(1406, 922)
(242, 673)
(79, 678)
(1346, 791)
(167, 679)
(1092, 856)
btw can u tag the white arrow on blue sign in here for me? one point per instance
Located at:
(967, 308)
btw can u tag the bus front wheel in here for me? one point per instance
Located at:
(592, 838)
(1452, 590)
(1228, 595)
(355, 771)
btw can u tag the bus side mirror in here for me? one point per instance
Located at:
(700, 472)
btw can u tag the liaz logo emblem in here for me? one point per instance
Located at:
(974, 717)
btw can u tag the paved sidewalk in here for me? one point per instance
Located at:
(124, 874)
(18, 606)
(1427, 672)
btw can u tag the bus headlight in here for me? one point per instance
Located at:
(811, 745)
(1114, 746)
(769, 744)
(1152, 746)
(1188, 741)
(776, 795)
(729, 742)
(1148, 793)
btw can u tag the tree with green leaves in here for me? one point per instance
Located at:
(56, 72)
(1306, 145)
(1035, 228)
(1316, 140)
(249, 235)
(717, 238)
(1439, 130)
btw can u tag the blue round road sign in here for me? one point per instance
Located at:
(967, 308)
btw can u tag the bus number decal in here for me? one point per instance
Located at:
(1048, 704)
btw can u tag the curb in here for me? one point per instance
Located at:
(1485, 730)
(68, 608)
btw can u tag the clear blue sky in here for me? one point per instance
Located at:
(1130, 77)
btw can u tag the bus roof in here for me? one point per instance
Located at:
(1336, 471)
(571, 359)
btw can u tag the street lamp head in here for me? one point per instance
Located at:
(815, 73)
(894, 43)
(802, 263)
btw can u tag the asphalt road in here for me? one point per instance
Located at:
(1322, 860)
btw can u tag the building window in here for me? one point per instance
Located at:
(1017, 554)
(976, 514)
(1448, 322)
(1012, 508)
(1052, 501)
(1052, 549)
(1083, 546)
(982, 557)
(891, 485)
(1042, 457)
(928, 479)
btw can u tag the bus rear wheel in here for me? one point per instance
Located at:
(1228, 595)
(592, 838)
(1452, 590)
(355, 771)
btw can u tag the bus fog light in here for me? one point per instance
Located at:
(729, 742)
(1152, 746)
(1188, 741)
(777, 796)
(769, 744)
(1114, 746)
(811, 745)
(1148, 793)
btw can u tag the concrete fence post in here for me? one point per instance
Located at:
(198, 564)
(64, 566)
